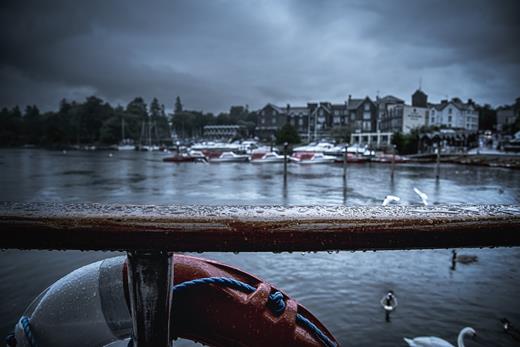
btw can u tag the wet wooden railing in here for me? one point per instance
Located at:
(255, 228)
(150, 233)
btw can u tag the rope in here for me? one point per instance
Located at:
(275, 301)
(24, 321)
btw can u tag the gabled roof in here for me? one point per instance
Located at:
(354, 104)
(277, 108)
(454, 102)
(325, 106)
(390, 99)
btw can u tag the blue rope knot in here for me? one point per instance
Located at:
(276, 303)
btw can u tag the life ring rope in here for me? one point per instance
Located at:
(275, 301)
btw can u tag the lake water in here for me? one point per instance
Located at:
(342, 289)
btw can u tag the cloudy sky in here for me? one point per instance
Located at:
(217, 53)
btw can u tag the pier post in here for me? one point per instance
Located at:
(438, 161)
(285, 145)
(345, 156)
(150, 278)
(393, 160)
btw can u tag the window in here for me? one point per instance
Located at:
(449, 119)
(273, 120)
(449, 110)
(433, 120)
(262, 120)
(301, 121)
(366, 115)
(367, 107)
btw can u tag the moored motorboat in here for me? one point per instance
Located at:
(351, 158)
(388, 158)
(266, 158)
(229, 157)
(319, 147)
(311, 158)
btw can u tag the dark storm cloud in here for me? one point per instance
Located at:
(218, 53)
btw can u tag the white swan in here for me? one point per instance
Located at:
(389, 199)
(389, 301)
(432, 341)
(422, 195)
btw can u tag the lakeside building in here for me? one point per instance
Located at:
(404, 118)
(373, 139)
(365, 119)
(507, 115)
(382, 108)
(454, 114)
(317, 119)
(399, 117)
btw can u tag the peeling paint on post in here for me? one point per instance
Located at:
(150, 281)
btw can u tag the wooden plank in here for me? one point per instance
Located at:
(255, 228)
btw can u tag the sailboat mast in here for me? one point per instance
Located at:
(122, 129)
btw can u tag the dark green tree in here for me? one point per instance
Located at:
(287, 133)
(178, 105)
(155, 108)
(406, 143)
(487, 117)
(137, 107)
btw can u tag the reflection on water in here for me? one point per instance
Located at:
(342, 289)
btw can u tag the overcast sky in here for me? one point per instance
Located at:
(218, 53)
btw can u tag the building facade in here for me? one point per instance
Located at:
(317, 120)
(404, 118)
(454, 114)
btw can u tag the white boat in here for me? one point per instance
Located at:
(230, 157)
(127, 147)
(312, 158)
(319, 147)
(266, 158)
(215, 146)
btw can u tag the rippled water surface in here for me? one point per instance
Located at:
(342, 289)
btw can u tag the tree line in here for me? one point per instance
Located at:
(97, 122)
